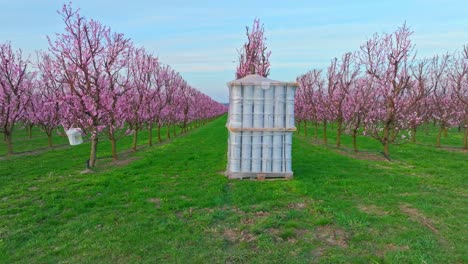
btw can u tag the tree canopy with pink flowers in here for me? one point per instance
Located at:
(95, 79)
(384, 91)
(254, 57)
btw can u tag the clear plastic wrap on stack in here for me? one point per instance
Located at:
(260, 124)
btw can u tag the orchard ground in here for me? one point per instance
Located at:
(170, 203)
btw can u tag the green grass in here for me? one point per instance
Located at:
(172, 205)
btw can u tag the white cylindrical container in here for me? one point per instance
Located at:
(247, 106)
(277, 152)
(279, 106)
(235, 151)
(235, 105)
(290, 93)
(268, 108)
(247, 122)
(246, 151)
(287, 152)
(258, 103)
(256, 151)
(267, 144)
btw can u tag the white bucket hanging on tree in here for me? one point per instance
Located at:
(75, 136)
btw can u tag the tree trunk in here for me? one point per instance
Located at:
(386, 142)
(305, 128)
(355, 140)
(174, 132)
(386, 150)
(159, 133)
(150, 134)
(30, 126)
(8, 139)
(315, 130)
(135, 139)
(413, 135)
(49, 139)
(114, 148)
(445, 132)
(338, 133)
(92, 155)
(465, 139)
(168, 132)
(441, 129)
(325, 132)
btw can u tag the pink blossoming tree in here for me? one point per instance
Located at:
(254, 57)
(16, 85)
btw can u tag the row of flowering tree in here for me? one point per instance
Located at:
(96, 80)
(383, 91)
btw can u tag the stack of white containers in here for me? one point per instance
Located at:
(260, 124)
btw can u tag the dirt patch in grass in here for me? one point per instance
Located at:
(123, 160)
(250, 218)
(33, 188)
(299, 206)
(185, 214)
(262, 214)
(405, 194)
(332, 236)
(392, 247)
(87, 171)
(273, 231)
(455, 149)
(361, 155)
(372, 210)
(185, 198)
(236, 235)
(230, 234)
(306, 203)
(317, 253)
(302, 232)
(248, 221)
(349, 152)
(155, 201)
(35, 151)
(416, 216)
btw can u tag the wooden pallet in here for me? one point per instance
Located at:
(258, 176)
(244, 129)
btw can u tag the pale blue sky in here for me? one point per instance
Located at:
(200, 38)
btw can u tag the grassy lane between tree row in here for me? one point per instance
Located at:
(171, 204)
(23, 144)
